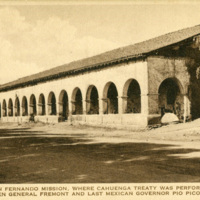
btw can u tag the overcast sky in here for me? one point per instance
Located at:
(34, 38)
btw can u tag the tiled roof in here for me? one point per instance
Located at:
(131, 51)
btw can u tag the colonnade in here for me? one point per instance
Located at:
(110, 102)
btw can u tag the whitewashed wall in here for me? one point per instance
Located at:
(118, 74)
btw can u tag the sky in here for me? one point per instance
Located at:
(37, 37)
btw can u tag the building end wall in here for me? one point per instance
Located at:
(161, 68)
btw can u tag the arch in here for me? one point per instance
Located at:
(171, 97)
(41, 105)
(92, 102)
(24, 106)
(32, 104)
(110, 98)
(63, 105)
(10, 108)
(52, 104)
(77, 102)
(131, 97)
(4, 108)
(17, 107)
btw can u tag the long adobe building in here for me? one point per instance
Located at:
(129, 86)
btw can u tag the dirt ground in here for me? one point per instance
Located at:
(60, 153)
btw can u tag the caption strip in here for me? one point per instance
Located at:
(92, 191)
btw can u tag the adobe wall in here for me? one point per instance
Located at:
(161, 68)
(194, 87)
(118, 74)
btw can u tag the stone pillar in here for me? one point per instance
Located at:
(15, 113)
(144, 104)
(21, 110)
(39, 109)
(153, 102)
(1, 111)
(103, 106)
(186, 106)
(14, 110)
(59, 108)
(28, 107)
(70, 105)
(101, 111)
(49, 108)
(88, 102)
(124, 104)
(31, 109)
(100, 106)
(189, 108)
(120, 105)
(84, 107)
(57, 112)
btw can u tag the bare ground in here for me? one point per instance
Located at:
(38, 153)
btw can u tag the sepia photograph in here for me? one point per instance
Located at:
(99, 98)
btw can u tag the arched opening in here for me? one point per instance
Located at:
(63, 105)
(92, 102)
(52, 104)
(10, 108)
(24, 106)
(33, 110)
(41, 105)
(17, 107)
(77, 104)
(170, 97)
(110, 105)
(131, 97)
(4, 108)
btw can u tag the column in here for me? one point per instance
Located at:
(28, 109)
(20, 109)
(15, 113)
(84, 117)
(31, 109)
(1, 111)
(152, 103)
(39, 105)
(124, 104)
(39, 110)
(70, 112)
(59, 108)
(84, 107)
(88, 102)
(20, 113)
(187, 105)
(100, 106)
(49, 108)
(103, 107)
(120, 105)
(144, 104)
